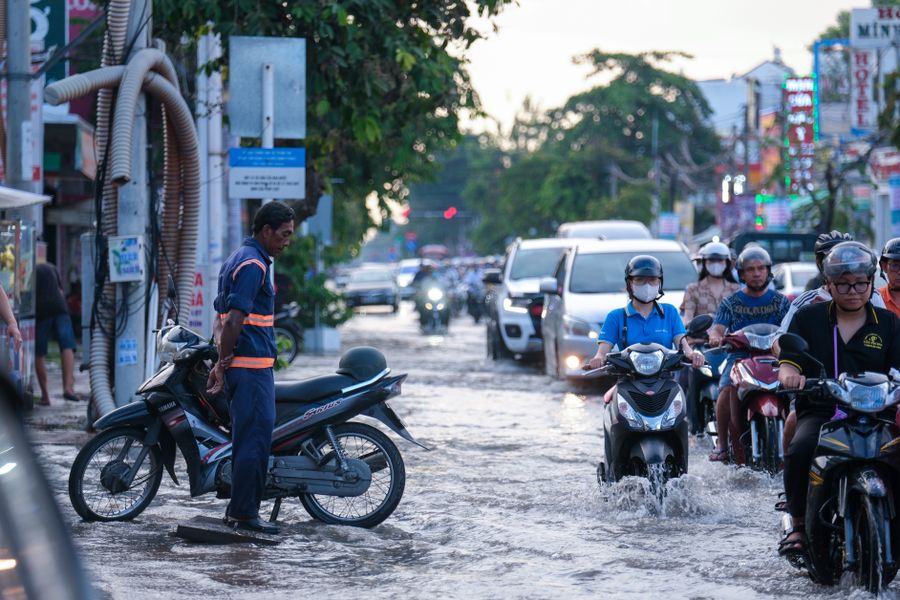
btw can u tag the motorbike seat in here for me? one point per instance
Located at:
(312, 389)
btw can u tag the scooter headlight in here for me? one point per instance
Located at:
(706, 371)
(867, 398)
(647, 363)
(629, 414)
(674, 411)
(435, 294)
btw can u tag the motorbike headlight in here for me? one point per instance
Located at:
(647, 363)
(675, 409)
(629, 414)
(837, 391)
(573, 326)
(435, 294)
(175, 343)
(706, 371)
(867, 398)
(746, 376)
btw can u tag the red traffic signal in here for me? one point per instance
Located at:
(406, 212)
(450, 212)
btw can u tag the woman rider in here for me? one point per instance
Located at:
(715, 283)
(644, 320)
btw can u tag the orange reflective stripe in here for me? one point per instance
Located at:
(249, 261)
(255, 319)
(252, 362)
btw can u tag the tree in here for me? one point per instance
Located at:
(386, 83)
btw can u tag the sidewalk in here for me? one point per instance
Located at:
(63, 422)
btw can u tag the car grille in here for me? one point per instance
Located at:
(650, 405)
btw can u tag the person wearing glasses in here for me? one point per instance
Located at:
(890, 271)
(847, 335)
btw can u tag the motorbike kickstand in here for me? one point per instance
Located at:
(338, 449)
(275, 510)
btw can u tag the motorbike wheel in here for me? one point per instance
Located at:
(366, 443)
(771, 459)
(96, 488)
(287, 342)
(869, 543)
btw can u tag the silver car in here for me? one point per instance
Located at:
(588, 283)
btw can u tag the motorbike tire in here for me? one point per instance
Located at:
(94, 448)
(771, 459)
(314, 503)
(869, 543)
(287, 342)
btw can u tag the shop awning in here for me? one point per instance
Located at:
(13, 198)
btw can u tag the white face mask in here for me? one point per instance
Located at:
(645, 293)
(715, 269)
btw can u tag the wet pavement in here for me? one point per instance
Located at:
(505, 505)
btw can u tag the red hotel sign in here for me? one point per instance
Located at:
(800, 133)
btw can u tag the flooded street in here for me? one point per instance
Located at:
(505, 505)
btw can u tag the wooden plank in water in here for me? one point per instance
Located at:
(211, 530)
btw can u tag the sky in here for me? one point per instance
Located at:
(531, 53)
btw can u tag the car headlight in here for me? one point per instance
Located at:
(435, 294)
(631, 416)
(516, 305)
(675, 409)
(573, 326)
(647, 363)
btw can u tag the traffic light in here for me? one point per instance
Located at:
(450, 213)
(406, 212)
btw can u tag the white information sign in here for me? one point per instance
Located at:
(126, 258)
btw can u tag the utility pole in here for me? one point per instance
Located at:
(18, 110)
(131, 340)
(657, 181)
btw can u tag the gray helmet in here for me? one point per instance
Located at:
(362, 363)
(715, 251)
(753, 253)
(891, 250)
(849, 257)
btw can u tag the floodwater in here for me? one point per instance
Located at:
(505, 505)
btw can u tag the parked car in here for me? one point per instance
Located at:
(791, 278)
(372, 286)
(588, 282)
(514, 300)
(605, 230)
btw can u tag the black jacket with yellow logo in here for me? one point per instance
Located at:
(875, 347)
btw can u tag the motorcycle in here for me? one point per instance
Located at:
(343, 472)
(288, 333)
(852, 523)
(756, 379)
(475, 303)
(645, 432)
(434, 308)
(702, 399)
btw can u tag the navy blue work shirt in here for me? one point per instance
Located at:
(244, 284)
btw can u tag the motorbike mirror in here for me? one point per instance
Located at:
(172, 297)
(549, 286)
(793, 343)
(698, 325)
(492, 276)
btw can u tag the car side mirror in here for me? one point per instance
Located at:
(698, 325)
(792, 343)
(492, 276)
(549, 285)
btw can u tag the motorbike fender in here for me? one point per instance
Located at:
(134, 413)
(386, 415)
(866, 480)
(764, 404)
(167, 445)
(652, 450)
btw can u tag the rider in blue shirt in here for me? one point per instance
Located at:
(644, 320)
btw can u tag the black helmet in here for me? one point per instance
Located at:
(643, 265)
(891, 250)
(362, 363)
(827, 241)
(753, 253)
(849, 257)
(715, 251)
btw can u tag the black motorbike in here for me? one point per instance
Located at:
(475, 303)
(288, 333)
(645, 432)
(704, 392)
(433, 305)
(852, 521)
(343, 472)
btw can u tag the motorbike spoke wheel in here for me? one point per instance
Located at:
(363, 442)
(287, 344)
(869, 543)
(97, 487)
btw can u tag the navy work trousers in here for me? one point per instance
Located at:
(252, 393)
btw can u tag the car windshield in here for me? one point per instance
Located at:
(604, 273)
(370, 276)
(535, 262)
(800, 276)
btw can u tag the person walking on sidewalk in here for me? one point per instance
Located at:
(245, 332)
(51, 317)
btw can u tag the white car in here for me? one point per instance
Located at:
(791, 278)
(605, 230)
(588, 283)
(515, 302)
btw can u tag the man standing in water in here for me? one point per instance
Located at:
(245, 331)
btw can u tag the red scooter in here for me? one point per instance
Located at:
(756, 379)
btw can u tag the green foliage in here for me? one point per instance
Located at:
(386, 83)
(297, 262)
